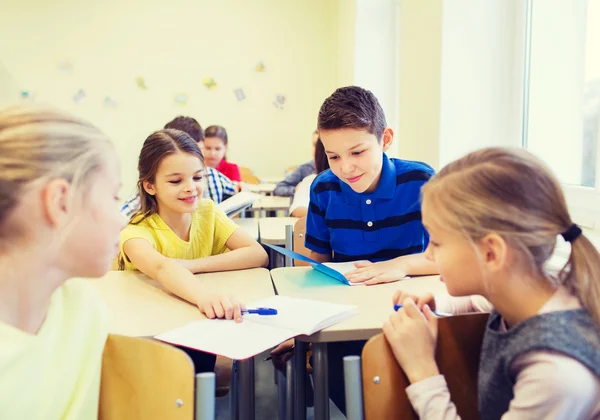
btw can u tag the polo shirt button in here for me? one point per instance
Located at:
(369, 224)
(368, 201)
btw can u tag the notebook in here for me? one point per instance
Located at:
(238, 203)
(259, 333)
(334, 270)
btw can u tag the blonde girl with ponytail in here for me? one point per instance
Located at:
(59, 219)
(494, 217)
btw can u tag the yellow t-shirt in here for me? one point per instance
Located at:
(209, 232)
(55, 374)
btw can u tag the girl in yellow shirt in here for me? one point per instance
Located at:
(177, 233)
(59, 219)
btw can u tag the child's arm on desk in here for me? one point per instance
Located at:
(392, 270)
(180, 281)
(245, 252)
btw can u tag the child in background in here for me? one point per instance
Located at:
(493, 217)
(215, 150)
(288, 186)
(59, 219)
(176, 233)
(219, 187)
(299, 206)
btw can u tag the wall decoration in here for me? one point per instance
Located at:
(141, 83)
(260, 67)
(110, 102)
(210, 83)
(279, 101)
(239, 94)
(181, 98)
(26, 94)
(65, 66)
(79, 96)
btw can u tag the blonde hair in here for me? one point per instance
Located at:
(39, 143)
(513, 194)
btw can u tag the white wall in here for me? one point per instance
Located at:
(480, 98)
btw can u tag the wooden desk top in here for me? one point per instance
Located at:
(271, 202)
(374, 303)
(262, 188)
(272, 229)
(141, 307)
(249, 225)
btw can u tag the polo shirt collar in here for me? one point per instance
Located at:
(385, 190)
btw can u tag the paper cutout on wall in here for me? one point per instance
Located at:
(110, 102)
(26, 94)
(260, 67)
(279, 101)
(239, 94)
(79, 96)
(210, 83)
(65, 66)
(141, 83)
(181, 98)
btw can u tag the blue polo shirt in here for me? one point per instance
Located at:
(376, 226)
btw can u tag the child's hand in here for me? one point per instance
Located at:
(220, 306)
(375, 273)
(421, 301)
(412, 335)
(282, 353)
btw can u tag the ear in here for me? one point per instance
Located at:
(56, 203)
(387, 138)
(494, 251)
(149, 187)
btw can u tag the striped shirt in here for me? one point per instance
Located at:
(376, 226)
(219, 187)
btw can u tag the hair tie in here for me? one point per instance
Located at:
(572, 233)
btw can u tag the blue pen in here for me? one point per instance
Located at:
(260, 311)
(438, 314)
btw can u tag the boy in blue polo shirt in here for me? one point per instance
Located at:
(366, 207)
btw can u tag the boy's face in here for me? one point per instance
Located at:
(355, 156)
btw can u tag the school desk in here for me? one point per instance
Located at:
(248, 225)
(141, 307)
(374, 304)
(273, 232)
(262, 188)
(270, 203)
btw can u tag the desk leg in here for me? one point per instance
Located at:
(234, 392)
(299, 360)
(320, 376)
(246, 389)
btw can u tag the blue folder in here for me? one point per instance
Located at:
(315, 264)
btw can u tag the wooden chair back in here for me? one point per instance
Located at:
(457, 355)
(145, 379)
(299, 234)
(248, 176)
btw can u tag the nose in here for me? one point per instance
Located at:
(347, 167)
(429, 253)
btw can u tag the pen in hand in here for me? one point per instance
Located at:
(438, 314)
(260, 311)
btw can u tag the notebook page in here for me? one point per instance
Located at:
(303, 316)
(345, 267)
(237, 203)
(228, 338)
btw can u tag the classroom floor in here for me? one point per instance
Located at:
(266, 395)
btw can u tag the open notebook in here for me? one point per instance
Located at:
(238, 203)
(334, 270)
(259, 333)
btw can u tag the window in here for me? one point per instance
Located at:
(561, 117)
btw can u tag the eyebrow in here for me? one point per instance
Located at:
(177, 173)
(352, 148)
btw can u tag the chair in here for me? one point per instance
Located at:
(295, 238)
(248, 176)
(384, 383)
(146, 379)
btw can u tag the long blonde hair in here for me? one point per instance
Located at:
(513, 194)
(38, 143)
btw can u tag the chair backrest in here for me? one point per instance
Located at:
(457, 355)
(248, 176)
(299, 233)
(145, 379)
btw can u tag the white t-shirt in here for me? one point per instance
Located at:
(302, 193)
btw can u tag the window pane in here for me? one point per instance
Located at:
(564, 87)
